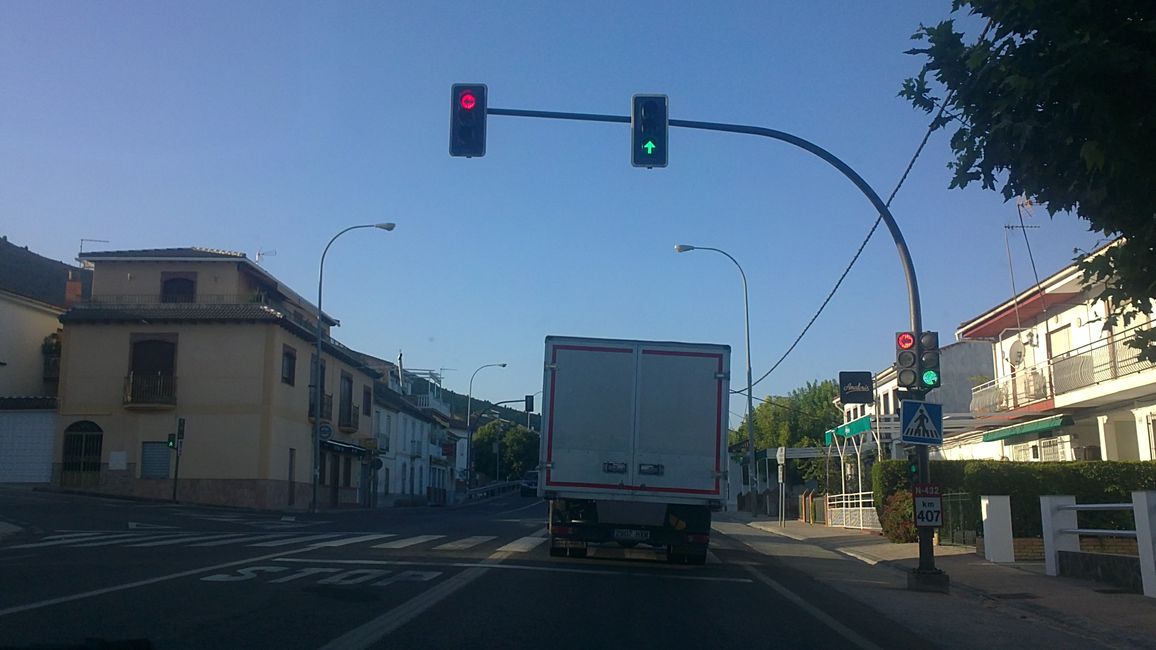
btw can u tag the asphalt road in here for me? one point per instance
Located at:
(478, 576)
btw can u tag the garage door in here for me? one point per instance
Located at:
(26, 446)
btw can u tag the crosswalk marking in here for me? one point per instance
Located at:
(352, 540)
(75, 536)
(409, 541)
(183, 539)
(250, 538)
(711, 558)
(120, 539)
(523, 545)
(58, 542)
(464, 543)
(296, 540)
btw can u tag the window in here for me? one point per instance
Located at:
(347, 472)
(345, 406)
(152, 363)
(178, 287)
(366, 400)
(288, 365)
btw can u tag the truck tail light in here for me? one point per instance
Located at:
(564, 531)
(698, 539)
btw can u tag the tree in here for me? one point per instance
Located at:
(518, 448)
(1053, 102)
(799, 419)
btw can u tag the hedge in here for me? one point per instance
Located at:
(1089, 482)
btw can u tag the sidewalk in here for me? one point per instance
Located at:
(1085, 613)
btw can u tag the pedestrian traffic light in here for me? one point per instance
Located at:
(929, 375)
(912, 461)
(906, 360)
(529, 403)
(468, 120)
(648, 129)
(172, 441)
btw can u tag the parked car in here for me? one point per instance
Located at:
(530, 483)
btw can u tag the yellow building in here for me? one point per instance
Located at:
(209, 339)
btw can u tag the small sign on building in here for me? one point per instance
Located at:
(856, 387)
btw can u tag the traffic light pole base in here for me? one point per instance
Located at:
(935, 581)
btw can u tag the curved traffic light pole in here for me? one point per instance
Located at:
(926, 548)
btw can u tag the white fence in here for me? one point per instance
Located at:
(1062, 531)
(852, 510)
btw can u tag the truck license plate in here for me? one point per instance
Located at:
(631, 534)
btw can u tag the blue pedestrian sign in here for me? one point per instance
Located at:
(921, 423)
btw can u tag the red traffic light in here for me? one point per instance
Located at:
(468, 101)
(905, 340)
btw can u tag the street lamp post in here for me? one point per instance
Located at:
(470, 427)
(752, 469)
(318, 380)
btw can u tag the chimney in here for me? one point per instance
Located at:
(73, 290)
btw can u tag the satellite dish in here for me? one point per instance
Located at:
(1015, 353)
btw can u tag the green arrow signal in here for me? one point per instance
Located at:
(649, 146)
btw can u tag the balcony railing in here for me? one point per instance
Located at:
(348, 418)
(150, 389)
(326, 406)
(1084, 366)
(427, 401)
(1027, 386)
(1098, 362)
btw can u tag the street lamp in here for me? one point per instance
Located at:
(752, 476)
(470, 428)
(318, 380)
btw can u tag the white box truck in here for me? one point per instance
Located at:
(633, 447)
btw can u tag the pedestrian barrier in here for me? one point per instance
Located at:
(1062, 532)
(492, 489)
(853, 510)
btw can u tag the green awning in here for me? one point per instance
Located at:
(1034, 426)
(852, 428)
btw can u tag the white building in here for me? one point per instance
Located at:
(1066, 386)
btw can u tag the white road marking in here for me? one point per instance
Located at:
(352, 540)
(365, 635)
(249, 538)
(197, 537)
(465, 543)
(523, 545)
(296, 540)
(72, 540)
(857, 556)
(521, 508)
(75, 536)
(820, 615)
(141, 583)
(409, 541)
(121, 539)
(711, 558)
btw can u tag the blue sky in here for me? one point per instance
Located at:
(270, 126)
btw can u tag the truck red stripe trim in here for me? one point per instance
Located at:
(587, 348)
(640, 488)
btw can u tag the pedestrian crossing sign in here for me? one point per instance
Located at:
(921, 422)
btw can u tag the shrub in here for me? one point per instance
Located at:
(1025, 482)
(899, 518)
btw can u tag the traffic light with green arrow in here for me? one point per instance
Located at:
(648, 130)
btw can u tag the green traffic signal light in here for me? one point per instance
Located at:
(172, 441)
(931, 378)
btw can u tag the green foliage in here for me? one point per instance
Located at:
(898, 518)
(518, 449)
(1053, 102)
(1089, 482)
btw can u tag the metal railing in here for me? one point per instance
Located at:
(1027, 386)
(1062, 532)
(145, 299)
(852, 510)
(1099, 361)
(426, 401)
(326, 406)
(150, 388)
(492, 489)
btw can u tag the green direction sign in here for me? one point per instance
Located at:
(649, 146)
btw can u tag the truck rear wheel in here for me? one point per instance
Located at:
(576, 551)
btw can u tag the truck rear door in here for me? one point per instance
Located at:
(682, 393)
(590, 407)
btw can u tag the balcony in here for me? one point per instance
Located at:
(348, 419)
(1028, 386)
(326, 406)
(429, 402)
(150, 390)
(1099, 362)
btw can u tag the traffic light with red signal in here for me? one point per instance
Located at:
(468, 120)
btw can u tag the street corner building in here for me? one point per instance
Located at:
(208, 344)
